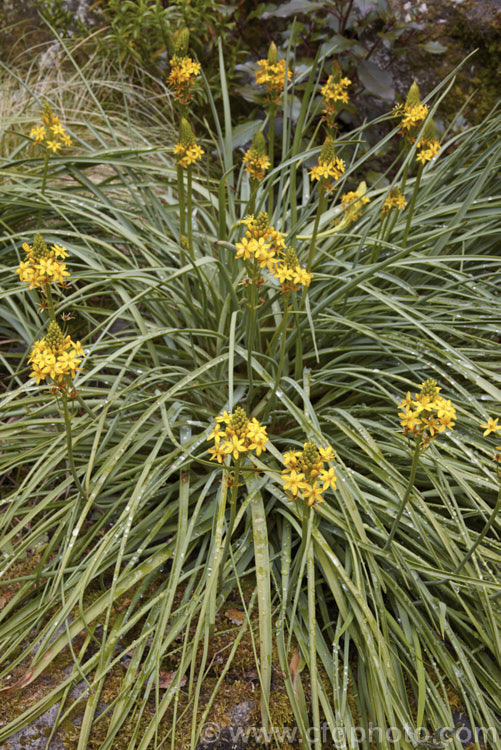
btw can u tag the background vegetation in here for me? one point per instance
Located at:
(121, 592)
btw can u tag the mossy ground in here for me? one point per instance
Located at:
(236, 703)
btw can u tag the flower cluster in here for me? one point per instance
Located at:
(272, 74)
(42, 265)
(256, 158)
(334, 93)
(183, 71)
(50, 133)
(329, 167)
(305, 474)
(428, 413)
(395, 199)
(427, 149)
(266, 245)
(240, 436)
(56, 356)
(412, 114)
(187, 149)
(290, 274)
(353, 204)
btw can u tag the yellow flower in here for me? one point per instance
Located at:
(53, 145)
(42, 266)
(256, 164)
(427, 150)
(329, 167)
(301, 276)
(217, 454)
(491, 426)
(395, 199)
(353, 203)
(326, 169)
(51, 133)
(56, 356)
(60, 251)
(183, 72)
(427, 414)
(272, 75)
(313, 494)
(294, 482)
(410, 420)
(327, 454)
(38, 133)
(189, 154)
(240, 435)
(328, 478)
(290, 459)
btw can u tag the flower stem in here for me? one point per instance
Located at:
(189, 211)
(44, 182)
(415, 461)
(182, 212)
(320, 210)
(283, 335)
(271, 149)
(479, 539)
(251, 323)
(67, 424)
(411, 206)
(233, 513)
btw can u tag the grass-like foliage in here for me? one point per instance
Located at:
(136, 539)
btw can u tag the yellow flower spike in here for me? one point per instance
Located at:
(412, 114)
(305, 473)
(56, 357)
(395, 199)
(353, 203)
(289, 272)
(41, 266)
(256, 159)
(491, 426)
(334, 93)
(272, 74)
(428, 147)
(187, 148)
(183, 69)
(51, 133)
(427, 414)
(240, 436)
(329, 167)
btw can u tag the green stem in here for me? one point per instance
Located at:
(50, 303)
(44, 182)
(411, 206)
(283, 334)
(312, 626)
(320, 210)
(67, 424)
(189, 211)
(271, 149)
(182, 212)
(485, 530)
(233, 513)
(381, 233)
(251, 206)
(410, 485)
(251, 323)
